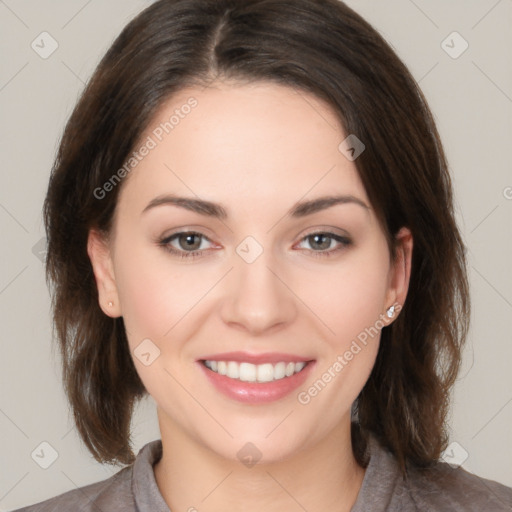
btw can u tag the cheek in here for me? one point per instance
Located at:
(349, 297)
(155, 296)
(154, 292)
(351, 306)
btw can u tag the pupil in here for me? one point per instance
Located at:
(189, 240)
(318, 238)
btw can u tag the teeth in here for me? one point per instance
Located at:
(265, 372)
(233, 370)
(280, 371)
(249, 372)
(222, 367)
(290, 369)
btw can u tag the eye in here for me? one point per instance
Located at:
(190, 244)
(322, 241)
(184, 244)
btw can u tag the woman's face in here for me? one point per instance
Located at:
(270, 279)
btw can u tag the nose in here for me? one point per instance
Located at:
(258, 297)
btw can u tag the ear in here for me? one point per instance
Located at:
(400, 272)
(100, 255)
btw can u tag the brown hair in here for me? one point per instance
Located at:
(318, 46)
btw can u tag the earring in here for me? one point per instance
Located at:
(110, 304)
(390, 312)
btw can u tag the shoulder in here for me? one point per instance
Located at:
(104, 494)
(442, 488)
(439, 488)
(127, 490)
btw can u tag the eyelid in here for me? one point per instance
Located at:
(342, 241)
(165, 243)
(167, 239)
(332, 231)
(326, 230)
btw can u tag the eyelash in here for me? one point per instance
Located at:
(165, 244)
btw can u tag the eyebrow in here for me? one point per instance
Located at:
(210, 209)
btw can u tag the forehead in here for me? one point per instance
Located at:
(242, 144)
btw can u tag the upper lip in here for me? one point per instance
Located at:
(246, 357)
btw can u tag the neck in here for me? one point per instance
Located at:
(325, 477)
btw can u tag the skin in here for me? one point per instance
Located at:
(257, 149)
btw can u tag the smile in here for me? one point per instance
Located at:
(248, 372)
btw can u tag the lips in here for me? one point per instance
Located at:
(270, 357)
(256, 378)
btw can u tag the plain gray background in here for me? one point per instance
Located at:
(471, 97)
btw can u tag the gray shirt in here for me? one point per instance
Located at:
(441, 489)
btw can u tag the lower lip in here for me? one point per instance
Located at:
(254, 392)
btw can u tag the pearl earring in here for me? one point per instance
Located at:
(110, 304)
(390, 312)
